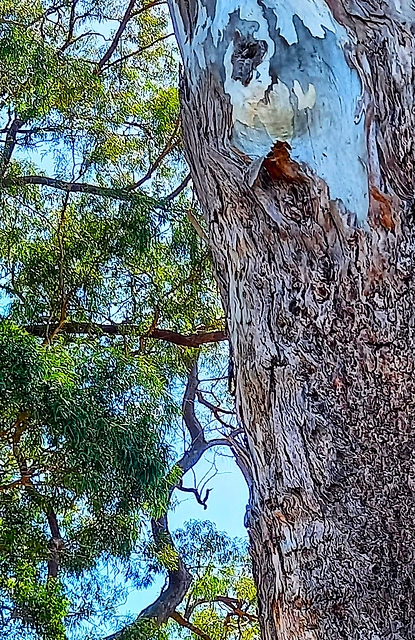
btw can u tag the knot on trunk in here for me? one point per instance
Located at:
(248, 54)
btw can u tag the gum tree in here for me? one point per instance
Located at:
(298, 122)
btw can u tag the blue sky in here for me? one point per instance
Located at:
(226, 508)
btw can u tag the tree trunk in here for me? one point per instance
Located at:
(298, 120)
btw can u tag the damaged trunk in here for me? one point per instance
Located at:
(298, 120)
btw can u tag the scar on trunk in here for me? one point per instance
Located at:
(281, 166)
(248, 54)
(382, 210)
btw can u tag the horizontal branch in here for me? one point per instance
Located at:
(125, 193)
(79, 328)
(70, 187)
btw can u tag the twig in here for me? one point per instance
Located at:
(199, 499)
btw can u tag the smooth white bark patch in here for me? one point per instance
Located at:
(314, 14)
(302, 92)
(405, 8)
(305, 100)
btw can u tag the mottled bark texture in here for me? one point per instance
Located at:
(299, 120)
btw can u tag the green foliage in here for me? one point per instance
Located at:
(69, 442)
(222, 583)
(40, 605)
(86, 414)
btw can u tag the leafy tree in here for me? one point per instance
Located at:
(107, 299)
(78, 461)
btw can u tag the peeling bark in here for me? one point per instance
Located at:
(305, 172)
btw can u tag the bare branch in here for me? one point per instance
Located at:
(188, 625)
(77, 328)
(138, 51)
(212, 407)
(169, 146)
(116, 39)
(199, 499)
(10, 144)
(156, 3)
(72, 19)
(179, 189)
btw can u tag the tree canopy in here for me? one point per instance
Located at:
(107, 301)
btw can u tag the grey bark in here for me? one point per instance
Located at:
(313, 243)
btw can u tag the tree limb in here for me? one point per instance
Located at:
(77, 328)
(125, 193)
(70, 187)
(179, 189)
(188, 625)
(10, 144)
(72, 18)
(180, 579)
(116, 39)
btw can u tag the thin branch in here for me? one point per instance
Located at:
(116, 39)
(179, 189)
(138, 51)
(156, 3)
(236, 607)
(169, 146)
(212, 407)
(233, 604)
(188, 625)
(72, 19)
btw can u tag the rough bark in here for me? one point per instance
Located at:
(298, 120)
